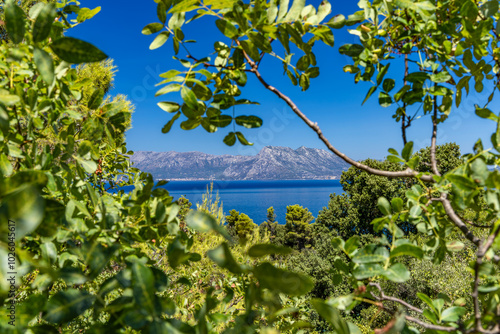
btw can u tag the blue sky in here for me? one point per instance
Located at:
(333, 100)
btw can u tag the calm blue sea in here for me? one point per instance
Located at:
(254, 197)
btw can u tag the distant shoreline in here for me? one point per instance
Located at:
(225, 180)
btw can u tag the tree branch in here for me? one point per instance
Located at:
(433, 139)
(383, 296)
(456, 219)
(314, 126)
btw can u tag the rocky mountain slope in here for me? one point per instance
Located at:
(271, 163)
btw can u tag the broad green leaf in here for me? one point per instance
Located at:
(283, 281)
(169, 106)
(166, 128)
(397, 204)
(189, 98)
(5, 165)
(67, 305)
(227, 28)
(76, 51)
(462, 182)
(161, 12)
(85, 14)
(382, 73)
(249, 122)
(43, 23)
(486, 113)
(220, 4)
(230, 139)
(367, 270)
(168, 89)
(332, 315)
(369, 258)
(427, 300)
(324, 10)
(221, 121)
(260, 250)
(441, 77)
(407, 151)
(336, 22)
(452, 314)
(272, 12)
(88, 165)
(95, 99)
(250, 49)
(384, 206)
(8, 99)
(397, 273)
(352, 244)
(260, 42)
(242, 139)
(35, 10)
(44, 64)
(152, 28)
(388, 84)
(384, 99)
(24, 206)
(14, 22)
(143, 285)
(455, 246)
(283, 9)
(203, 222)
(185, 6)
(294, 12)
(223, 258)
(407, 249)
(159, 40)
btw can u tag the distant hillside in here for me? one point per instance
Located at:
(272, 163)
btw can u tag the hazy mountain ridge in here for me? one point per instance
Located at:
(271, 163)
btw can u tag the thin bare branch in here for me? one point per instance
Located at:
(314, 126)
(430, 326)
(456, 219)
(433, 140)
(383, 296)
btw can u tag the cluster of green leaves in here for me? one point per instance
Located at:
(79, 236)
(208, 86)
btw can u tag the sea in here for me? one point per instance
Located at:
(254, 197)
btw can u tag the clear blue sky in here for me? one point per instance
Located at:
(333, 100)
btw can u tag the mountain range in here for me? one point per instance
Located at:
(271, 163)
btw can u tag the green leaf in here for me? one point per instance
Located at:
(249, 122)
(203, 222)
(462, 182)
(25, 207)
(454, 246)
(88, 165)
(336, 22)
(161, 12)
(230, 139)
(14, 22)
(441, 77)
(332, 315)
(397, 273)
(143, 285)
(220, 4)
(260, 250)
(382, 73)
(283, 281)
(87, 13)
(352, 244)
(96, 99)
(8, 99)
(486, 113)
(397, 204)
(166, 128)
(367, 270)
(5, 165)
(169, 106)
(260, 41)
(370, 93)
(189, 98)
(152, 28)
(388, 84)
(73, 50)
(407, 151)
(223, 258)
(427, 300)
(44, 64)
(384, 206)
(452, 314)
(221, 121)
(295, 10)
(407, 249)
(67, 305)
(227, 28)
(384, 99)
(250, 49)
(168, 89)
(43, 23)
(185, 6)
(242, 139)
(159, 40)
(373, 258)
